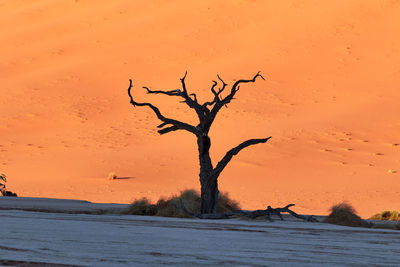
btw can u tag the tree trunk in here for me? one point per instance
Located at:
(209, 195)
(208, 181)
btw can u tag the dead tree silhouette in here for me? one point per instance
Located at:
(206, 113)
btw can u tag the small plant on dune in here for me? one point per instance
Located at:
(112, 176)
(3, 178)
(344, 214)
(387, 215)
(184, 205)
(3, 190)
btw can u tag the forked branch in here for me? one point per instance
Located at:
(176, 125)
(219, 103)
(176, 92)
(235, 88)
(215, 93)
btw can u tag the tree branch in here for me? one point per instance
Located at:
(201, 110)
(216, 98)
(176, 92)
(192, 103)
(162, 125)
(271, 211)
(220, 103)
(194, 97)
(234, 151)
(215, 93)
(178, 125)
(183, 83)
(168, 129)
(223, 85)
(235, 87)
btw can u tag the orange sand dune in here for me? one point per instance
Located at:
(330, 101)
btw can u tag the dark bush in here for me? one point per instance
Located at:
(226, 204)
(344, 214)
(142, 207)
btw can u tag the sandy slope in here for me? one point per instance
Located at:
(330, 100)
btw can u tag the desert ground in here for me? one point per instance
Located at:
(330, 100)
(56, 238)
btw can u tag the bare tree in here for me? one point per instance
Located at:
(206, 113)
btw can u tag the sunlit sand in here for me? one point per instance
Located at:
(330, 100)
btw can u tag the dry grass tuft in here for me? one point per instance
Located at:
(344, 214)
(142, 207)
(170, 208)
(182, 206)
(226, 204)
(387, 215)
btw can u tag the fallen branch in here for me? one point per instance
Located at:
(252, 214)
(270, 211)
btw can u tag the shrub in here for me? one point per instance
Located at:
(387, 216)
(3, 190)
(3, 178)
(183, 206)
(142, 207)
(170, 208)
(344, 214)
(191, 200)
(226, 204)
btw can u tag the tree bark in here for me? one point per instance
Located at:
(209, 195)
(208, 182)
